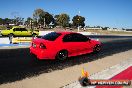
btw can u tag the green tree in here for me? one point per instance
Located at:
(28, 21)
(11, 21)
(1, 21)
(63, 20)
(35, 23)
(6, 21)
(18, 20)
(56, 16)
(78, 21)
(37, 14)
(55, 20)
(42, 17)
(105, 28)
(46, 19)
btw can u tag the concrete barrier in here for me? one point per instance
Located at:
(87, 33)
(28, 40)
(17, 40)
(22, 40)
(4, 41)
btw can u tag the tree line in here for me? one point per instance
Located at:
(17, 21)
(45, 19)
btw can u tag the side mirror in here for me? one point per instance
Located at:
(88, 39)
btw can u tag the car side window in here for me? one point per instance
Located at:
(68, 38)
(81, 38)
(16, 29)
(74, 37)
(23, 29)
(51, 36)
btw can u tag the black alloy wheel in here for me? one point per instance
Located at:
(97, 48)
(62, 55)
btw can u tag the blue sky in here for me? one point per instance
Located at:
(112, 13)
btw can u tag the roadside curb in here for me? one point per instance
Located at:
(105, 74)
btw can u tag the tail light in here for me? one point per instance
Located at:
(33, 45)
(42, 46)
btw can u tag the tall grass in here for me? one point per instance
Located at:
(2, 27)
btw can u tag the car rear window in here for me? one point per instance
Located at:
(51, 36)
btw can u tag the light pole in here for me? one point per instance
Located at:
(78, 25)
(44, 22)
(31, 23)
(78, 20)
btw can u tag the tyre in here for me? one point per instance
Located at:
(11, 35)
(34, 35)
(10, 38)
(62, 55)
(97, 49)
(34, 57)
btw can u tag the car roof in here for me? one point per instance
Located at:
(65, 32)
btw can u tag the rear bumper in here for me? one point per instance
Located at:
(39, 53)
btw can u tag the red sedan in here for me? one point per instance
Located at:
(60, 45)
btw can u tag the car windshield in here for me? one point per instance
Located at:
(51, 36)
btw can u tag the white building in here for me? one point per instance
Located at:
(94, 28)
(115, 29)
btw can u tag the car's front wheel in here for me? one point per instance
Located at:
(11, 35)
(62, 55)
(97, 48)
(34, 35)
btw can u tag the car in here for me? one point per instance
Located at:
(61, 45)
(18, 31)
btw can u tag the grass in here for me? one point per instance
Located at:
(2, 27)
(109, 32)
(106, 32)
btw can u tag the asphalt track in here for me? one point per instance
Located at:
(17, 64)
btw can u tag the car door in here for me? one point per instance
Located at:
(17, 31)
(25, 32)
(76, 44)
(69, 42)
(84, 43)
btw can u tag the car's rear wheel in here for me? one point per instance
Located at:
(11, 35)
(62, 55)
(34, 35)
(97, 48)
(34, 57)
